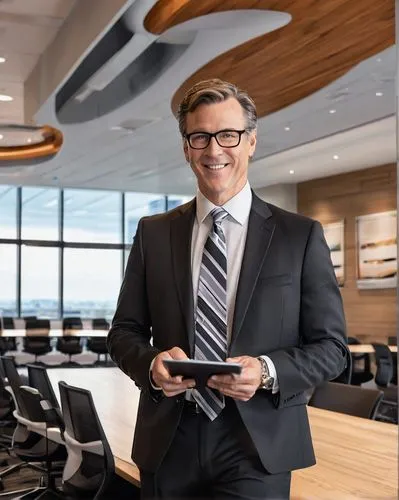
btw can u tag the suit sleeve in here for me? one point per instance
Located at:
(322, 353)
(130, 334)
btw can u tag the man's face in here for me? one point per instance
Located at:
(221, 172)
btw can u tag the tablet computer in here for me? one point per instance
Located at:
(200, 370)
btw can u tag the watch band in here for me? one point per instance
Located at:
(266, 381)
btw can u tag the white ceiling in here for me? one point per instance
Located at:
(27, 27)
(150, 159)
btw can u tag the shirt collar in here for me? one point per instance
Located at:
(237, 207)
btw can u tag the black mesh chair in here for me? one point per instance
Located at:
(361, 365)
(42, 419)
(98, 345)
(383, 378)
(394, 341)
(6, 323)
(72, 323)
(90, 465)
(38, 379)
(100, 324)
(7, 343)
(37, 341)
(29, 445)
(69, 345)
(348, 399)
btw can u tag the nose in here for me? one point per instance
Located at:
(213, 147)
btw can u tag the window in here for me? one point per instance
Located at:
(39, 281)
(138, 205)
(92, 279)
(177, 200)
(40, 219)
(8, 212)
(92, 216)
(8, 280)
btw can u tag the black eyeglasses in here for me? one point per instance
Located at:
(225, 138)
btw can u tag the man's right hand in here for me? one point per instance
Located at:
(171, 386)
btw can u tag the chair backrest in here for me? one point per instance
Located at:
(349, 399)
(383, 360)
(84, 433)
(37, 324)
(100, 324)
(15, 383)
(35, 341)
(72, 324)
(38, 379)
(7, 323)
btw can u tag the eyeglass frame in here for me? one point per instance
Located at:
(240, 132)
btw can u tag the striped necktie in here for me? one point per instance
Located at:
(211, 318)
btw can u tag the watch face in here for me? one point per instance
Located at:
(268, 384)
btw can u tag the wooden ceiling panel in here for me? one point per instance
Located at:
(324, 40)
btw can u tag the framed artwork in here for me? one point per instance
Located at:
(334, 234)
(376, 250)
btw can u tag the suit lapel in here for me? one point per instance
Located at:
(261, 227)
(181, 232)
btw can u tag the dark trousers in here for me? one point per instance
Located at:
(213, 460)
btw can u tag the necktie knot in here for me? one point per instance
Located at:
(218, 214)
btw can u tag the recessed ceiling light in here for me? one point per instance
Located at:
(117, 127)
(379, 59)
(2, 60)
(29, 140)
(5, 98)
(287, 128)
(1, 136)
(292, 172)
(336, 157)
(332, 111)
(379, 94)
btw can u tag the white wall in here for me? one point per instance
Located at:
(281, 195)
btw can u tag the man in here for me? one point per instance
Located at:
(226, 277)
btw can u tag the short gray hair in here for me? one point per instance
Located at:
(213, 91)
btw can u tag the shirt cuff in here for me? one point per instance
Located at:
(272, 373)
(155, 387)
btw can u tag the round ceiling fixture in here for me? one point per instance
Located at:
(27, 144)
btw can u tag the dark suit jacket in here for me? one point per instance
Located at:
(288, 306)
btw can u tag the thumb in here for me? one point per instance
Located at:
(177, 353)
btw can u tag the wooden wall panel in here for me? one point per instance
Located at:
(370, 314)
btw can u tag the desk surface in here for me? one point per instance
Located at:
(53, 333)
(356, 458)
(362, 348)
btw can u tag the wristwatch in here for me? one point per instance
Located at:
(266, 381)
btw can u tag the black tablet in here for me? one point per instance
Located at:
(200, 370)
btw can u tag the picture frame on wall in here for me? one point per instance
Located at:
(376, 244)
(334, 234)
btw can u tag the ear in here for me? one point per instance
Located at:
(252, 143)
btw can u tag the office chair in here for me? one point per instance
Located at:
(69, 345)
(388, 410)
(361, 365)
(28, 444)
(100, 324)
(348, 399)
(38, 379)
(42, 420)
(72, 323)
(7, 323)
(90, 465)
(37, 341)
(98, 345)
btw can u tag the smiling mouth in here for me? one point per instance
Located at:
(217, 166)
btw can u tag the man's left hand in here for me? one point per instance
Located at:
(242, 386)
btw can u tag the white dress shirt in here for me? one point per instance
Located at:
(235, 227)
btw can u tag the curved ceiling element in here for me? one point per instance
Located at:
(296, 60)
(28, 145)
(135, 59)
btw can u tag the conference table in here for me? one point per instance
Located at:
(44, 332)
(368, 348)
(356, 458)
